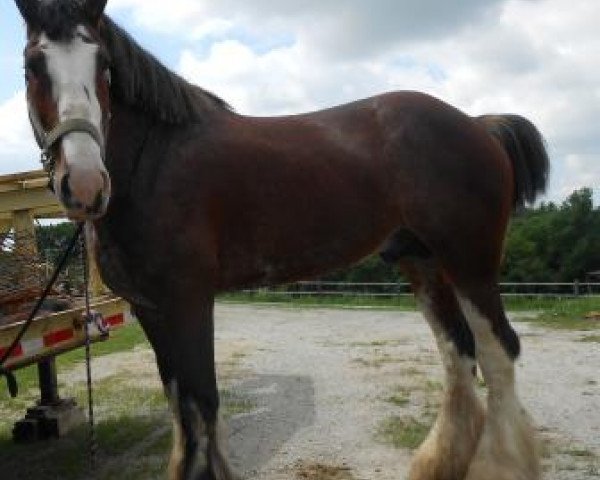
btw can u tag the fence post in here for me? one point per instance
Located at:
(576, 287)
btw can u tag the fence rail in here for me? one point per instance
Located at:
(390, 289)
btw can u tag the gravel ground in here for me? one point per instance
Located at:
(318, 380)
(315, 386)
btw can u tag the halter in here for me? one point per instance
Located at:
(46, 140)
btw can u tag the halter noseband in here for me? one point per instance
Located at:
(46, 140)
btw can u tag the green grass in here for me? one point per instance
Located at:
(400, 396)
(321, 301)
(590, 339)
(403, 432)
(68, 458)
(568, 313)
(377, 361)
(232, 403)
(127, 414)
(579, 452)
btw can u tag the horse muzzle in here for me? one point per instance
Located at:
(73, 154)
(83, 192)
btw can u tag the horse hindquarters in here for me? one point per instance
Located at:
(507, 450)
(462, 221)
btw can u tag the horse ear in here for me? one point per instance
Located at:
(94, 9)
(29, 10)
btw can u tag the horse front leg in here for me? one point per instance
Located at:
(198, 452)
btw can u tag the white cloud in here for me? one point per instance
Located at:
(163, 16)
(535, 58)
(232, 67)
(18, 150)
(351, 27)
(584, 170)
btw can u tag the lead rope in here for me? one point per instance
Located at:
(88, 360)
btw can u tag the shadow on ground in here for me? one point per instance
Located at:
(135, 447)
(283, 406)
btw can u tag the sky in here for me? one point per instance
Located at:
(537, 58)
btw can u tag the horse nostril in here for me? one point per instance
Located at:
(84, 190)
(97, 205)
(65, 190)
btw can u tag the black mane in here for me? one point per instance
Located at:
(141, 81)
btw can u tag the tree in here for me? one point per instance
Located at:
(554, 243)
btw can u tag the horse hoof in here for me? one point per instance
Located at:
(430, 464)
(452, 442)
(504, 456)
(484, 469)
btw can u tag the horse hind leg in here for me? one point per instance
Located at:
(450, 445)
(507, 450)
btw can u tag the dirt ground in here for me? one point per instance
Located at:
(319, 387)
(322, 380)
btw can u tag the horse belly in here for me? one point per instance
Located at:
(303, 245)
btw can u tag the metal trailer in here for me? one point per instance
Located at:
(23, 198)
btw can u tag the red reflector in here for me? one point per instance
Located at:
(57, 337)
(17, 351)
(115, 320)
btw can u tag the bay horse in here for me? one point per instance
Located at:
(187, 198)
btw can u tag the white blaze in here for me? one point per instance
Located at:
(72, 71)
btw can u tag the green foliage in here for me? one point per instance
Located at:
(554, 243)
(53, 239)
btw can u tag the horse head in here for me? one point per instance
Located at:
(67, 75)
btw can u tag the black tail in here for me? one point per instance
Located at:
(527, 151)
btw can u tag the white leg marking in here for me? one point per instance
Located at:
(210, 452)
(448, 449)
(507, 450)
(175, 469)
(209, 440)
(218, 453)
(200, 461)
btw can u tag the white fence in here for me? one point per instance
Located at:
(390, 289)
